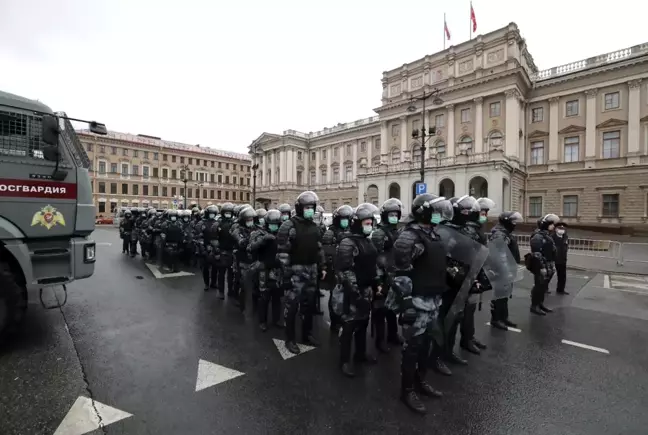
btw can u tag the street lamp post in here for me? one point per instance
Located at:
(184, 169)
(255, 166)
(425, 135)
(200, 185)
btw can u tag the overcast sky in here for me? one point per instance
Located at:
(219, 73)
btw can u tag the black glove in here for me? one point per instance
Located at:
(408, 312)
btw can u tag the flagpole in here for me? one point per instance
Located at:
(470, 20)
(444, 30)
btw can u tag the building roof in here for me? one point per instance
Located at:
(167, 144)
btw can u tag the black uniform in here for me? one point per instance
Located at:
(241, 234)
(562, 248)
(209, 233)
(126, 228)
(227, 244)
(541, 262)
(172, 234)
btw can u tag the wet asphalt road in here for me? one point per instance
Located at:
(135, 345)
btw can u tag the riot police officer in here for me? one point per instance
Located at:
(263, 249)
(356, 269)
(147, 234)
(126, 227)
(172, 235)
(259, 220)
(241, 234)
(330, 240)
(504, 230)
(210, 236)
(226, 244)
(383, 237)
(418, 283)
(540, 262)
(286, 211)
(300, 252)
(187, 249)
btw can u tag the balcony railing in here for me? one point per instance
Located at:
(603, 59)
(433, 162)
(335, 129)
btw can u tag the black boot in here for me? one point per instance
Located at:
(346, 340)
(453, 358)
(510, 324)
(499, 325)
(545, 309)
(307, 332)
(347, 370)
(536, 310)
(291, 345)
(479, 344)
(426, 389)
(412, 401)
(439, 366)
(469, 346)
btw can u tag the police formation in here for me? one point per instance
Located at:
(406, 279)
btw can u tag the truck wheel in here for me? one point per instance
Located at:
(13, 301)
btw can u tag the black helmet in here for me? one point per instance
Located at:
(260, 216)
(237, 210)
(361, 213)
(486, 204)
(466, 208)
(246, 214)
(273, 220)
(151, 212)
(227, 208)
(431, 209)
(509, 219)
(392, 205)
(172, 215)
(210, 212)
(128, 213)
(342, 216)
(546, 220)
(185, 215)
(307, 199)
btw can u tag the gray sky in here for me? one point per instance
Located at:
(220, 73)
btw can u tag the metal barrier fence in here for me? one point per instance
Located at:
(632, 252)
(606, 249)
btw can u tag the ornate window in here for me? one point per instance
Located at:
(496, 140)
(395, 155)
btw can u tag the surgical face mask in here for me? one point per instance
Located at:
(560, 232)
(228, 215)
(174, 218)
(344, 223)
(483, 219)
(284, 217)
(273, 227)
(392, 220)
(367, 229)
(309, 213)
(186, 219)
(261, 221)
(436, 218)
(211, 216)
(249, 223)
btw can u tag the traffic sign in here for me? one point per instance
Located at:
(421, 188)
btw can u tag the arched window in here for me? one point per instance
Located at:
(395, 155)
(441, 149)
(466, 145)
(416, 153)
(495, 140)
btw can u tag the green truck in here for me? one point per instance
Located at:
(46, 209)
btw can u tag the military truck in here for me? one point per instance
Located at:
(46, 208)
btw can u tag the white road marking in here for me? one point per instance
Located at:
(285, 353)
(82, 418)
(606, 281)
(586, 346)
(104, 244)
(159, 275)
(210, 374)
(508, 327)
(629, 278)
(630, 284)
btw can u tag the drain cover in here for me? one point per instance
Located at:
(139, 277)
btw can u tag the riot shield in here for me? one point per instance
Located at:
(466, 257)
(500, 268)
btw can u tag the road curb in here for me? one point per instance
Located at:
(585, 269)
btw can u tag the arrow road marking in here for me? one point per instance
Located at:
(159, 275)
(586, 346)
(508, 327)
(82, 417)
(285, 353)
(210, 374)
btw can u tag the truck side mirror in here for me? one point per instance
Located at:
(50, 130)
(98, 128)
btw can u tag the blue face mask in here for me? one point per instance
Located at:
(392, 220)
(273, 227)
(483, 219)
(344, 223)
(436, 218)
(261, 221)
(309, 213)
(367, 229)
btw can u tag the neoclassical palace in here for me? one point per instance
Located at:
(570, 140)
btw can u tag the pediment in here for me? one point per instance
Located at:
(264, 137)
(612, 122)
(572, 129)
(538, 133)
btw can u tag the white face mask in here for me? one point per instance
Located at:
(560, 232)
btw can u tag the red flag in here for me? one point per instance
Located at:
(445, 28)
(472, 18)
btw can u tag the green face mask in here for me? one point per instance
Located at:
(392, 220)
(483, 219)
(284, 217)
(309, 213)
(367, 229)
(273, 227)
(249, 223)
(344, 223)
(261, 221)
(436, 218)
